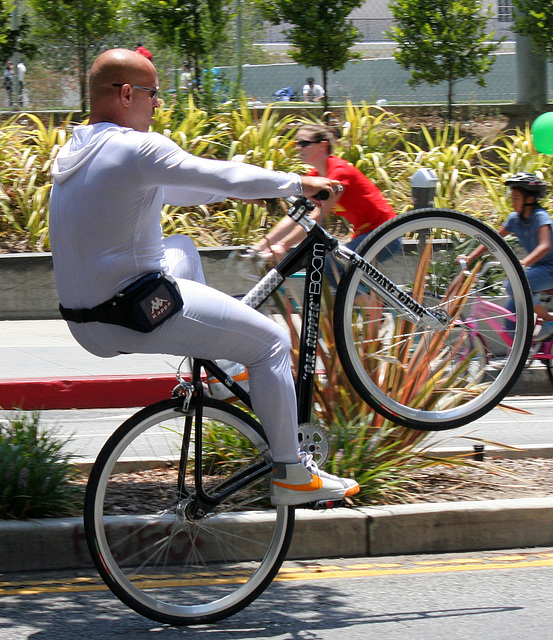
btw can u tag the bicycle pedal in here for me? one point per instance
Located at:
(325, 504)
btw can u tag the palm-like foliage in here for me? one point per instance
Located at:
(363, 444)
(266, 141)
(454, 160)
(192, 128)
(377, 142)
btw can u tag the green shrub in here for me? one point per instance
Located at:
(379, 143)
(37, 480)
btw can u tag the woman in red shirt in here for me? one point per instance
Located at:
(360, 202)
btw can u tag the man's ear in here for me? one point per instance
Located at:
(125, 95)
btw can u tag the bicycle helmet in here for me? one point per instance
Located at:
(528, 182)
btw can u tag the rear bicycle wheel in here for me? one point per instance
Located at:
(415, 375)
(154, 549)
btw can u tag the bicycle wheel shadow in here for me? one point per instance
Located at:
(310, 611)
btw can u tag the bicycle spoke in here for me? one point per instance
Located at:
(177, 560)
(416, 373)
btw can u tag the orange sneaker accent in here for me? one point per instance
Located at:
(352, 491)
(315, 484)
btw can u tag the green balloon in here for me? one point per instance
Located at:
(542, 133)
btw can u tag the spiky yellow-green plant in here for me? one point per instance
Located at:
(419, 372)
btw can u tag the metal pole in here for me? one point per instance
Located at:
(15, 57)
(239, 48)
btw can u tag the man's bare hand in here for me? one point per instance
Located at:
(313, 184)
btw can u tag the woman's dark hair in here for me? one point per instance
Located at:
(318, 133)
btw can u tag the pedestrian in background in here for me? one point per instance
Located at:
(312, 92)
(21, 71)
(7, 80)
(143, 51)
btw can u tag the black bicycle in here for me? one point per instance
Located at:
(177, 511)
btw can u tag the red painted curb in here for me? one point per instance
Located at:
(101, 392)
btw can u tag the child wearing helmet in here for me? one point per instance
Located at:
(532, 225)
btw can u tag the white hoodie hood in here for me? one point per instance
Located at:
(85, 143)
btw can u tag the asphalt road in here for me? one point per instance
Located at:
(506, 594)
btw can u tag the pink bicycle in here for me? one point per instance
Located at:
(490, 338)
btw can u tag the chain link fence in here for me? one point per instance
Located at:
(383, 79)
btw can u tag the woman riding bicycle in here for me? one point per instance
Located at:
(532, 225)
(360, 201)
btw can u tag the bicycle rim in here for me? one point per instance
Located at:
(157, 558)
(416, 375)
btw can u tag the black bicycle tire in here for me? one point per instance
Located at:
(342, 325)
(104, 561)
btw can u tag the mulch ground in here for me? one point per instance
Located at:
(493, 479)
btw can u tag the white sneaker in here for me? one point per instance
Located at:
(304, 482)
(236, 371)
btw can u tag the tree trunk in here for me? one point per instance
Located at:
(325, 87)
(450, 86)
(83, 68)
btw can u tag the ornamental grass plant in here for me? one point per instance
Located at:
(383, 145)
(37, 479)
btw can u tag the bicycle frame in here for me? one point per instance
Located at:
(486, 311)
(310, 254)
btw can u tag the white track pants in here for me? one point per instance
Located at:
(214, 325)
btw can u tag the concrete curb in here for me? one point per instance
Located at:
(371, 531)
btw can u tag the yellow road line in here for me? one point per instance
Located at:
(288, 574)
(365, 573)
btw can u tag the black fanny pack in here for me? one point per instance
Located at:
(141, 306)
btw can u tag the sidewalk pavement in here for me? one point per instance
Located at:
(43, 367)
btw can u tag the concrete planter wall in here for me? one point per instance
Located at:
(28, 290)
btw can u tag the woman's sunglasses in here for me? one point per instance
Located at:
(305, 143)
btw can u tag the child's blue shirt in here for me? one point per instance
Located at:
(527, 230)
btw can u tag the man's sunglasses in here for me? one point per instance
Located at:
(305, 143)
(153, 91)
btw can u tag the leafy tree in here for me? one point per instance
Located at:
(252, 29)
(535, 20)
(193, 28)
(82, 26)
(321, 32)
(14, 39)
(443, 40)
